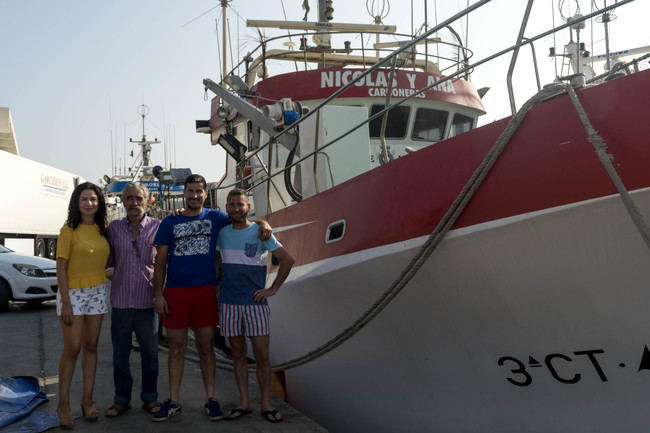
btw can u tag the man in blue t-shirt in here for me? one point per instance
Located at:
(185, 255)
(243, 309)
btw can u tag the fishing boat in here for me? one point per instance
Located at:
(164, 185)
(449, 277)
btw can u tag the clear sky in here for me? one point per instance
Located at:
(75, 71)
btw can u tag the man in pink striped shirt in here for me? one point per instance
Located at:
(132, 293)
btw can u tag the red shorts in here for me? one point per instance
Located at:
(190, 306)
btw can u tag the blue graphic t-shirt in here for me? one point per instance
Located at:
(192, 247)
(244, 258)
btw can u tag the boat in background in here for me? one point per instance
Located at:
(448, 277)
(165, 186)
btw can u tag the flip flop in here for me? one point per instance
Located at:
(238, 410)
(270, 416)
(117, 409)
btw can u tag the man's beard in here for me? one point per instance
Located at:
(238, 217)
(193, 204)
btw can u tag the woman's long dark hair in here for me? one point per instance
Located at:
(74, 214)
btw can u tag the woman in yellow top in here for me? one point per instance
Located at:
(81, 257)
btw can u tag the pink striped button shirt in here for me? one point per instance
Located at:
(132, 284)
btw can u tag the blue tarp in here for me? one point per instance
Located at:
(33, 423)
(19, 396)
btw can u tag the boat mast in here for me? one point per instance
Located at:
(145, 145)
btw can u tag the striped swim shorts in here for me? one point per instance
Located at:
(248, 320)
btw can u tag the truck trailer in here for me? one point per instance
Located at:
(34, 197)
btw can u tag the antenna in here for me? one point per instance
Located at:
(605, 19)
(378, 14)
(224, 25)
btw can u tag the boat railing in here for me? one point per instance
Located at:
(256, 67)
(521, 39)
(515, 54)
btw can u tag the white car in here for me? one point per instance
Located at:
(25, 278)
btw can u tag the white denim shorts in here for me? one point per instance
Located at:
(86, 301)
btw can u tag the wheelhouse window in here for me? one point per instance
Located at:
(398, 119)
(429, 124)
(460, 124)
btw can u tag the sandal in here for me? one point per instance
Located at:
(91, 414)
(117, 409)
(151, 406)
(66, 421)
(271, 416)
(237, 413)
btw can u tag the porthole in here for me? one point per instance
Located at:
(335, 231)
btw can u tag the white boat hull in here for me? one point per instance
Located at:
(533, 323)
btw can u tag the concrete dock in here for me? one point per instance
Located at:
(31, 344)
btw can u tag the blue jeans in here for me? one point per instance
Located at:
(145, 325)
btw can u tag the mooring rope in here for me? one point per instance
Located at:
(605, 159)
